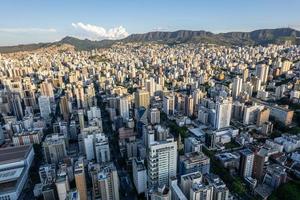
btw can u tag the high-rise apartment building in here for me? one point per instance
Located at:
(139, 173)
(162, 162)
(169, 104)
(47, 90)
(44, 105)
(154, 116)
(142, 99)
(187, 180)
(262, 72)
(54, 148)
(223, 113)
(108, 182)
(80, 179)
(246, 163)
(201, 191)
(123, 106)
(236, 87)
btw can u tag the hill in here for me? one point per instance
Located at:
(257, 37)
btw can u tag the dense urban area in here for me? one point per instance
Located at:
(188, 121)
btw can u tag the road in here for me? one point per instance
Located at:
(127, 190)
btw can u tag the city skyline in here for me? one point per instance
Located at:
(46, 21)
(154, 100)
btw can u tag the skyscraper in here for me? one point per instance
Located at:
(162, 162)
(81, 118)
(47, 90)
(62, 184)
(258, 165)
(154, 116)
(246, 163)
(80, 97)
(223, 113)
(64, 107)
(54, 148)
(142, 99)
(262, 72)
(108, 182)
(124, 108)
(169, 104)
(263, 116)
(80, 179)
(44, 104)
(139, 174)
(236, 87)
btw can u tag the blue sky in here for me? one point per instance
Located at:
(28, 21)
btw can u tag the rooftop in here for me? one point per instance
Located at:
(13, 154)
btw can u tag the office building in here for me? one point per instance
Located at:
(275, 175)
(192, 144)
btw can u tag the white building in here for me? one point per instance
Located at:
(93, 113)
(15, 163)
(154, 116)
(108, 182)
(237, 87)
(124, 107)
(162, 162)
(169, 104)
(200, 191)
(62, 185)
(223, 113)
(262, 72)
(96, 147)
(44, 105)
(139, 173)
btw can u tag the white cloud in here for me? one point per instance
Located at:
(27, 30)
(159, 29)
(98, 32)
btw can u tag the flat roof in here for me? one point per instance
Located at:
(12, 154)
(10, 175)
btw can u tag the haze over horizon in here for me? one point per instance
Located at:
(50, 21)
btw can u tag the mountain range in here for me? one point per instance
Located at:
(257, 37)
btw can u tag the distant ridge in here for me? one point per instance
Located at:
(257, 37)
